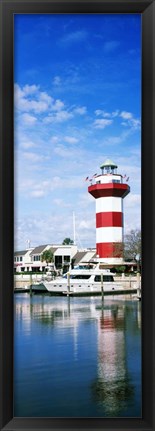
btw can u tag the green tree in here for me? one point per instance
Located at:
(132, 244)
(47, 256)
(67, 241)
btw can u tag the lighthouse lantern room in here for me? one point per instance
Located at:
(109, 191)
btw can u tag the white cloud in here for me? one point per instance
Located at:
(29, 98)
(132, 212)
(124, 124)
(58, 117)
(61, 203)
(115, 113)
(102, 123)
(107, 114)
(28, 119)
(126, 115)
(135, 123)
(58, 105)
(37, 193)
(62, 151)
(26, 144)
(130, 121)
(85, 224)
(80, 110)
(33, 157)
(74, 37)
(54, 139)
(71, 140)
(133, 199)
(57, 80)
(25, 104)
(44, 96)
(30, 89)
(54, 172)
(103, 113)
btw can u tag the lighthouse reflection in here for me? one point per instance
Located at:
(90, 351)
(113, 387)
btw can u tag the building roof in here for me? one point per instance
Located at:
(53, 249)
(79, 256)
(88, 256)
(38, 250)
(20, 253)
(108, 162)
(63, 251)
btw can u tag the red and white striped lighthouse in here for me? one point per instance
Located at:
(109, 192)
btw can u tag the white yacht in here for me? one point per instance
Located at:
(86, 279)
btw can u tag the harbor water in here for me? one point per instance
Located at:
(77, 357)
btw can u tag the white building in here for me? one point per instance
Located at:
(30, 259)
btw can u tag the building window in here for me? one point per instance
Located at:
(58, 261)
(66, 259)
(36, 258)
(21, 258)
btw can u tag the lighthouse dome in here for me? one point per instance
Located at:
(108, 167)
(108, 163)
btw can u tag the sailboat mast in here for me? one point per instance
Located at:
(74, 227)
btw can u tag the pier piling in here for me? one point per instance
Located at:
(102, 289)
(68, 283)
(138, 284)
(30, 284)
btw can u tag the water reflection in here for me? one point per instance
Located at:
(112, 386)
(96, 344)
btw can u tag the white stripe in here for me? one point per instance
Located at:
(109, 204)
(111, 259)
(109, 234)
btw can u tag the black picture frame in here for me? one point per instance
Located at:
(7, 10)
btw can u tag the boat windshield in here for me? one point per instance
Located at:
(78, 276)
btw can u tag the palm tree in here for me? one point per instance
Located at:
(68, 241)
(47, 256)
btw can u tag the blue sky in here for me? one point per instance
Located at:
(77, 102)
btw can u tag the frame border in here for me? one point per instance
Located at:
(7, 10)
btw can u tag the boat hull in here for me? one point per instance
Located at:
(84, 289)
(39, 287)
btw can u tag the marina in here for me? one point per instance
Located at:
(77, 233)
(86, 279)
(93, 276)
(121, 287)
(77, 327)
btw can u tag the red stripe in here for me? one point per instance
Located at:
(111, 189)
(110, 249)
(108, 219)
